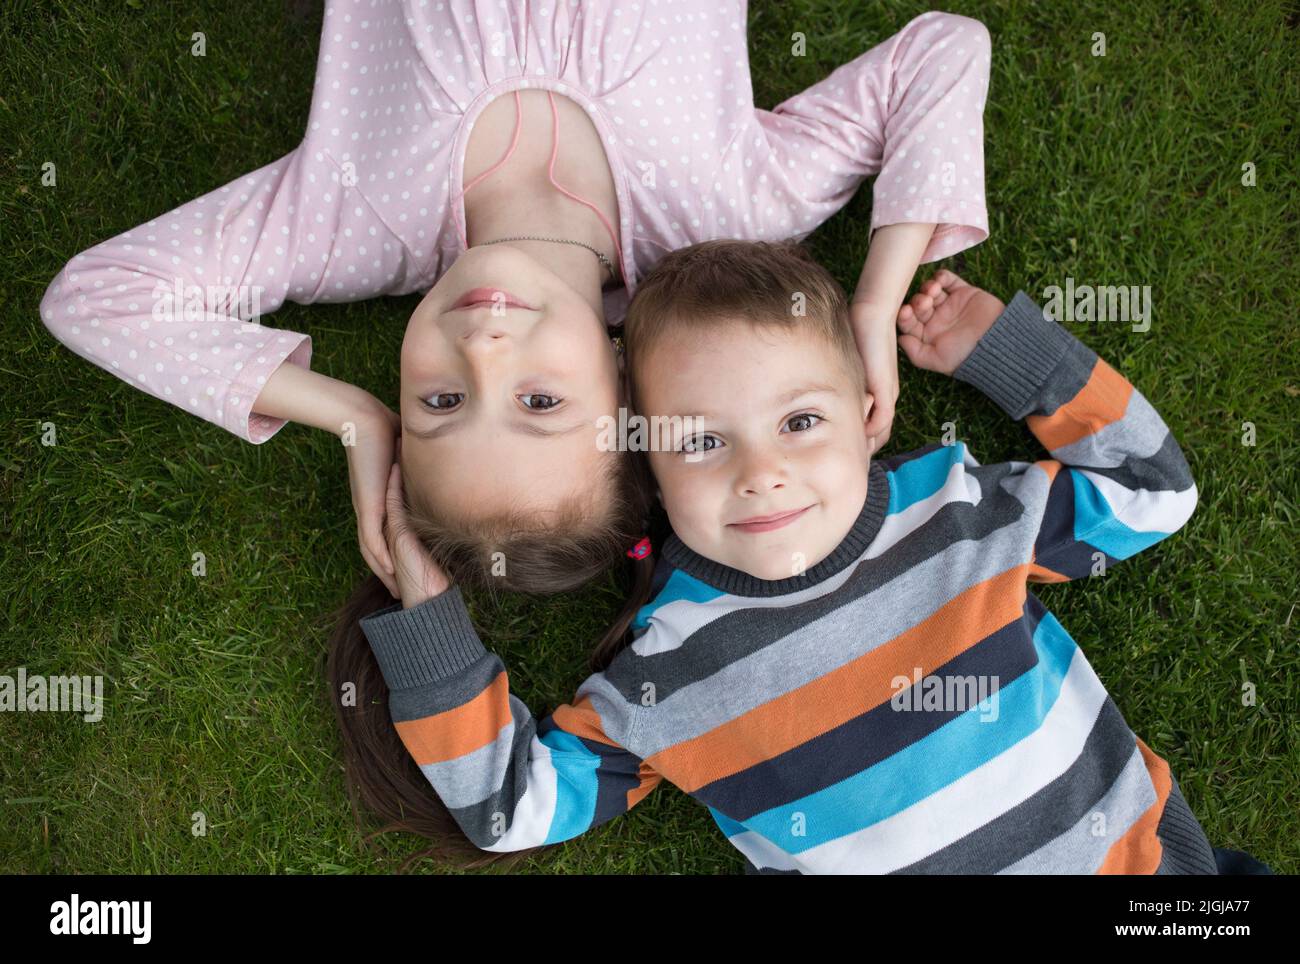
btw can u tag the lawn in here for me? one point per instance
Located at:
(1118, 169)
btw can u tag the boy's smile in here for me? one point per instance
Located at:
(778, 463)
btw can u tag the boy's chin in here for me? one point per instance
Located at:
(778, 566)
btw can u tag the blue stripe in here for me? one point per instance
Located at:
(921, 478)
(679, 587)
(576, 785)
(729, 827)
(1095, 523)
(963, 744)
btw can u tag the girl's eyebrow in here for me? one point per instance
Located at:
(519, 428)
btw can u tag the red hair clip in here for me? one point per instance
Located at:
(641, 549)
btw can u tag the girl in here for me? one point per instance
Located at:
(523, 163)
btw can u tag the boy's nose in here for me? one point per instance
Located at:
(761, 473)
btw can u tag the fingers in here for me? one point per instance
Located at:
(948, 280)
(918, 352)
(393, 495)
(908, 323)
(389, 582)
(370, 532)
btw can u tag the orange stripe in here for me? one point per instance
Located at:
(1101, 401)
(822, 704)
(650, 779)
(461, 729)
(1139, 850)
(478, 722)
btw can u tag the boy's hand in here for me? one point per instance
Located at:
(941, 325)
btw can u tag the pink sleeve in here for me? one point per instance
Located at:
(909, 111)
(173, 306)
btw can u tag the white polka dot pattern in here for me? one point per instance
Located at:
(362, 206)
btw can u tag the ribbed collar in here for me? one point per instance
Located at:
(739, 583)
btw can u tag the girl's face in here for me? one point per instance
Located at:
(505, 371)
(767, 470)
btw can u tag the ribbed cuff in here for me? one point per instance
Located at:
(425, 643)
(1012, 361)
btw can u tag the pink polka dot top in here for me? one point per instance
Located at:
(369, 203)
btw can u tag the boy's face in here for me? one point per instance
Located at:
(771, 468)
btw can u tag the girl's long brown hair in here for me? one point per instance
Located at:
(383, 781)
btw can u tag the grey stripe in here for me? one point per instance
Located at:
(1081, 846)
(1018, 355)
(1186, 849)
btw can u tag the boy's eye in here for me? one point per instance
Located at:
(445, 400)
(802, 422)
(700, 443)
(539, 402)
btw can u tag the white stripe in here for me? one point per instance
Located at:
(957, 487)
(979, 796)
(1145, 510)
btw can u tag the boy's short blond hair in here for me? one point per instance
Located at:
(716, 282)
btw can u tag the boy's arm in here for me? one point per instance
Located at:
(510, 781)
(1117, 481)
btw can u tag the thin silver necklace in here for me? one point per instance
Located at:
(532, 237)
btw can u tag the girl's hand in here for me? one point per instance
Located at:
(418, 577)
(371, 452)
(878, 346)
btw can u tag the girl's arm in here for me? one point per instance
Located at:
(370, 432)
(909, 111)
(175, 306)
(892, 258)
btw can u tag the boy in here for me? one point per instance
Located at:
(840, 657)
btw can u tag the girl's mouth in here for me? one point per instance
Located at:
(488, 298)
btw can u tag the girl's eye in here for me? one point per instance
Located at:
(699, 443)
(802, 422)
(445, 400)
(540, 402)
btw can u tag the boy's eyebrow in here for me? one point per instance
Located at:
(519, 428)
(783, 399)
(794, 393)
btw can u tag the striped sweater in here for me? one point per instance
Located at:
(907, 705)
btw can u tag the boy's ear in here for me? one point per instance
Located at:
(868, 401)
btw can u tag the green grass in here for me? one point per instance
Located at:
(1122, 169)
